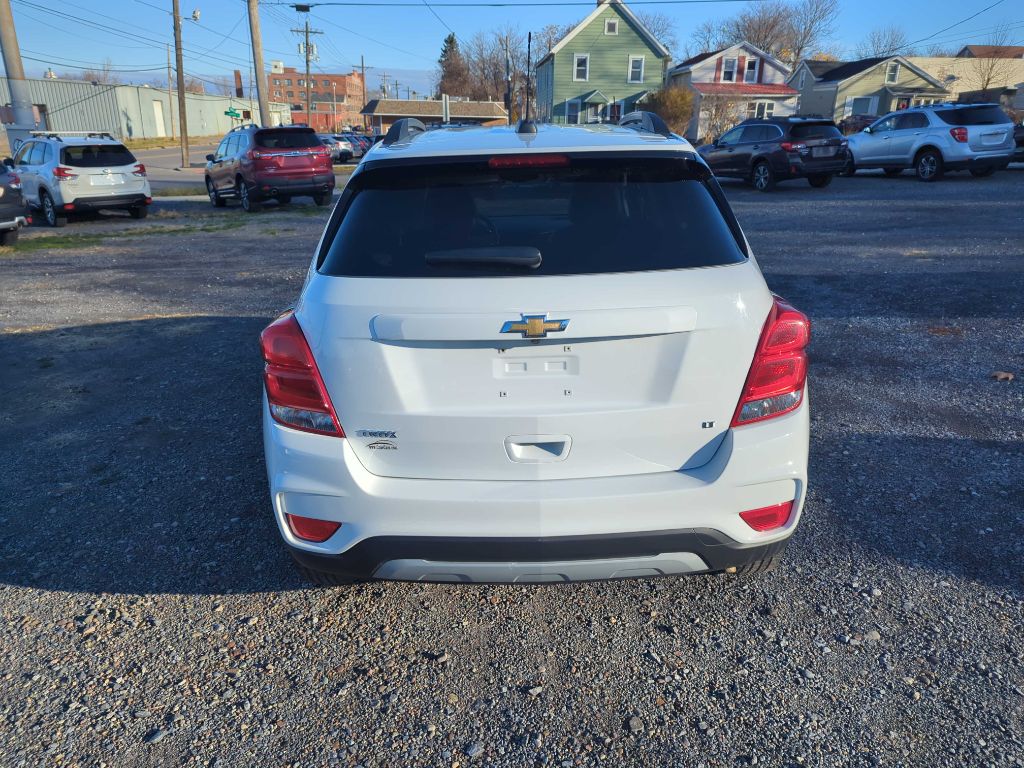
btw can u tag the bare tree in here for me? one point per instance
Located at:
(812, 22)
(940, 50)
(885, 41)
(766, 25)
(707, 36)
(547, 38)
(662, 26)
(222, 85)
(993, 72)
(103, 75)
(673, 105)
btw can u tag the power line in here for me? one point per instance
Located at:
(366, 3)
(371, 39)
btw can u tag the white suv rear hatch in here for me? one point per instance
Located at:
(101, 170)
(587, 317)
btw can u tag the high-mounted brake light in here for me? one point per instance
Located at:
(775, 383)
(959, 134)
(768, 518)
(139, 170)
(528, 161)
(295, 390)
(63, 174)
(311, 529)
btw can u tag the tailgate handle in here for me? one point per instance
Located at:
(537, 449)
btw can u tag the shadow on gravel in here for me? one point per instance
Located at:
(132, 459)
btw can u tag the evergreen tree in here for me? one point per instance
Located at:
(453, 74)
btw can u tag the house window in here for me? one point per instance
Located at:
(302, 83)
(760, 109)
(325, 83)
(581, 67)
(861, 106)
(892, 72)
(729, 71)
(611, 26)
(636, 69)
(287, 82)
(572, 112)
(277, 81)
(277, 94)
(291, 94)
(750, 74)
(803, 78)
(615, 112)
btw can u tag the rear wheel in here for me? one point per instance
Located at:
(849, 169)
(284, 199)
(983, 172)
(762, 177)
(50, 213)
(249, 205)
(215, 200)
(322, 199)
(928, 165)
(820, 180)
(9, 237)
(890, 172)
(139, 212)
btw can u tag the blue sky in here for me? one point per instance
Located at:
(404, 42)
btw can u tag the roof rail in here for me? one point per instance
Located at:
(405, 128)
(646, 121)
(56, 135)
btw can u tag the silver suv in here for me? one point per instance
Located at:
(65, 172)
(934, 139)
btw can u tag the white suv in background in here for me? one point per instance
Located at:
(535, 354)
(68, 172)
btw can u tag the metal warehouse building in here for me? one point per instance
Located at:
(132, 111)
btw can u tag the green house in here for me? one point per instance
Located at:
(601, 69)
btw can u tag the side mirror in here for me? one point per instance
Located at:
(9, 162)
(209, 158)
(867, 129)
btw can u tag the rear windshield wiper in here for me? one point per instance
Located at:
(523, 256)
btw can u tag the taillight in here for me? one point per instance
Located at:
(959, 134)
(15, 182)
(295, 390)
(775, 383)
(311, 529)
(63, 174)
(768, 518)
(253, 154)
(139, 170)
(792, 146)
(528, 161)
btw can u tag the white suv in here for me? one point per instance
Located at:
(535, 354)
(65, 172)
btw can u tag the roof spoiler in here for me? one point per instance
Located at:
(646, 121)
(405, 128)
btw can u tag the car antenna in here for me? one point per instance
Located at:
(526, 125)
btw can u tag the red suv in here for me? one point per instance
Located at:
(254, 164)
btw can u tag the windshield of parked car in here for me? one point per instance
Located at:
(96, 155)
(591, 216)
(815, 131)
(973, 116)
(287, 138)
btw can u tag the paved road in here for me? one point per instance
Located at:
(150, 617)
(164, 166)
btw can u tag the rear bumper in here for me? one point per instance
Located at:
(544, 530)
(109, 201)
(306, 185)
(997, 161)
(799, 168)
(14, 223)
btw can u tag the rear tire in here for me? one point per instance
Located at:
(928, 165)
(322, 199)
(767, 565)
(9, 237)
(139, 212)
(849, 169)
(50, 213)
(820, 180)
(762, 177)
(982, 172)
(249, 205)
(215, 199)
(890, 172)
(284, 199)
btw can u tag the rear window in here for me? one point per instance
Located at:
(815, 131)
(594, 216)
(973, 116)
(286, 139)
(96, 155)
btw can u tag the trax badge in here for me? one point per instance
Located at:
(534, 326)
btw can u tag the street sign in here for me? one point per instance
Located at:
(232, 112)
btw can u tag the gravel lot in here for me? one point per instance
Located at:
(149, 615)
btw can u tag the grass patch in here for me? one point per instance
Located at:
(65, 242)
(179, 191)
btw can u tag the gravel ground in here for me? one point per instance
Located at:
(151, 617)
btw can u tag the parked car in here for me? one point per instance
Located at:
(13, 212)
(764, 151)
(341, 151)
(65, 172)
(531, 374)
(354, 141)
(855, 123)
(935, 138)
(254, 164)
(1018, 140)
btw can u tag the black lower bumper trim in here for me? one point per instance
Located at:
(717, 550)
(112, 201)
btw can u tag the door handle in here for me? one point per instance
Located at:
(756, 146)
(537, 449)
(886, 138)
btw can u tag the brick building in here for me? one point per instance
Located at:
(335, 100)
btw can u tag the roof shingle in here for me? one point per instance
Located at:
(488, 110)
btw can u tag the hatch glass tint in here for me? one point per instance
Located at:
(815, 131)
(589, 216)
(287, 138)
(96, 156)
(973, 116)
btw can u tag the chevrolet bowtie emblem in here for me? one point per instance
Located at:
(534, 326)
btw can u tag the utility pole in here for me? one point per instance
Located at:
(257, 61)
(182, 117)
(334, 104)
(306, 31)
(384, 83)
(21, 101)
(170, 104)
(398, 89)
(362, 65)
